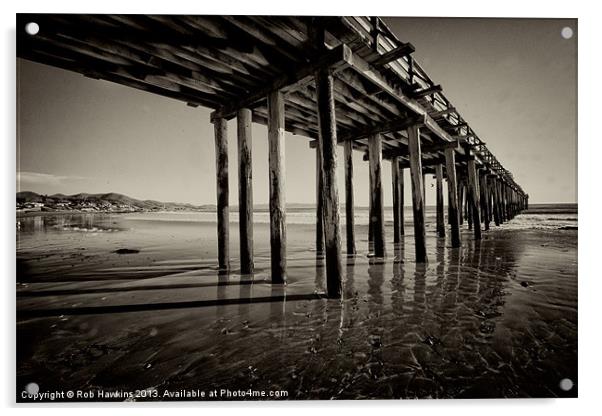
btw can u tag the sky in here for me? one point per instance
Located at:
(514, 81)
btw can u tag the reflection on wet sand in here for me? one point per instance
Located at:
(495, 318)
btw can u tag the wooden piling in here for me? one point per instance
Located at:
(328, 137)
(417, 192)
(449, 213)
(319, 201)
(509, 194)
(484, 200)
(277, 186)
(452, 189)
(440, 215)
(461, 202)
(220, 126)
(370, 227)
(500, 203)
(512, 207)
(489, 182)
(401, 199)
(376, 194)
(245, 190)
(424, 189)
(507, 198)
(397, 182)
(473, 193)
(504, 201)
(512, 202)
(494, 203)
(468, 206)
(349, 204)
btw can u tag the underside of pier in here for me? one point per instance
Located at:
(345, 81)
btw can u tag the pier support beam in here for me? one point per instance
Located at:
(376, 194)
(328, 137)
(220, 126)
(473, 193)
(397, 179)
(440, 215)
(512, 203)
(402, 228)
(245, 190)
(319, 201)
(468, 206)
(452, 189)
(499, 202)
(505, 201)
(489, 182)
(484, 200)
(449, 214)
(424, 189)
(461, 201)
(370, 227)
(417, 193)
(494, 204)
(349, 207)
(277, 196)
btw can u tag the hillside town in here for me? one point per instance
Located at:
(110, 202)
(79, 206)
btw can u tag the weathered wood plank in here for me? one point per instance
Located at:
(337, 58)
(417, 193)
(245, 190)
(277, 186)
(328, 137)
(386, 127)
(439, 114)
(394, 54)
(349, 203)
(223, 211)
(426, 91)
(370, 74)
(440, 215)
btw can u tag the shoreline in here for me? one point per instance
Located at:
(545, 209)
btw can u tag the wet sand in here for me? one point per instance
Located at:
(496, 318)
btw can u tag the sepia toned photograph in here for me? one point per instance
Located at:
(272, 207)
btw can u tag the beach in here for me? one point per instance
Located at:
(134, 302)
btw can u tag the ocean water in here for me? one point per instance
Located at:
(495, 318)
(296, 216)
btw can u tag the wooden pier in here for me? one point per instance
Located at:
(345, 81)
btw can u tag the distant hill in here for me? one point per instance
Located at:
(27, 196)
(111, 197)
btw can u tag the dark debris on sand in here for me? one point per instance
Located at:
(126, 251)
